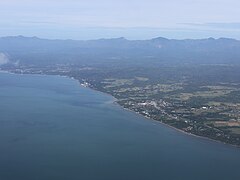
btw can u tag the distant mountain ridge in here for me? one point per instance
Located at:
(35, 50)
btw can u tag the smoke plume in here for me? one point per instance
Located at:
(3, 59)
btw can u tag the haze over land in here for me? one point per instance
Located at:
(159, 51)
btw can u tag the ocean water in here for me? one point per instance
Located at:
(51, 128)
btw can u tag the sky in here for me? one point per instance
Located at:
(132, 19)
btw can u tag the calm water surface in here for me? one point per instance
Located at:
(53, 129)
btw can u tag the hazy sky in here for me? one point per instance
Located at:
(133, 19)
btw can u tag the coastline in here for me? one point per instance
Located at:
(114, 101)
(176, 129)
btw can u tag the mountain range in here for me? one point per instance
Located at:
(33, 50)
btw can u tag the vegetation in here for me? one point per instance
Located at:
(201, 97)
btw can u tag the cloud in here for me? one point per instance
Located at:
(3, 59)
(233, 26)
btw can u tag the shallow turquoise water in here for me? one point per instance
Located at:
(53, 129)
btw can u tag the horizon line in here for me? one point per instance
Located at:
(119, 37)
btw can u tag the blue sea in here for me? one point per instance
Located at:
(51, 128)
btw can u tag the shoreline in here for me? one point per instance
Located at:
(176, 129)
(114, 102)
